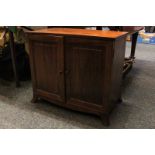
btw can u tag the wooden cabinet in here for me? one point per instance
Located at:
(78, 69)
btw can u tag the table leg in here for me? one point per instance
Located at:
(133, 46)
(13, 56)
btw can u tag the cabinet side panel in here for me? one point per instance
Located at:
(117, 69)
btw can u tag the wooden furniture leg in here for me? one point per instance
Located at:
(13, 56)
(129, 61)
(105, 119)
(133, 46)
(34, 99)
(120, 100)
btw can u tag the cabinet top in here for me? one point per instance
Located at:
(81, 32)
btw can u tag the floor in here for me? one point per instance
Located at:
(136, 111)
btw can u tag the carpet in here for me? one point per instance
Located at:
(136, 111)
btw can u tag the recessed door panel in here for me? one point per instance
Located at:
(85, 69)
(48, 64)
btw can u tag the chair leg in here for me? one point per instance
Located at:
(14, 62)
(133, 46)
(120, 100)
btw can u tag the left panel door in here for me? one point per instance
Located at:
(47, 66)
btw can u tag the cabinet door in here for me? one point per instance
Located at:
(85, 72)
(47, 64)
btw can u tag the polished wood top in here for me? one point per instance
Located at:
(82, 32)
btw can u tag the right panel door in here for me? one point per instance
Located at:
(85, 61)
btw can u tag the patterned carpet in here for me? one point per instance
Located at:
(136, 111)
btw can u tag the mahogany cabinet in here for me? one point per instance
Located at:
(78, 69)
